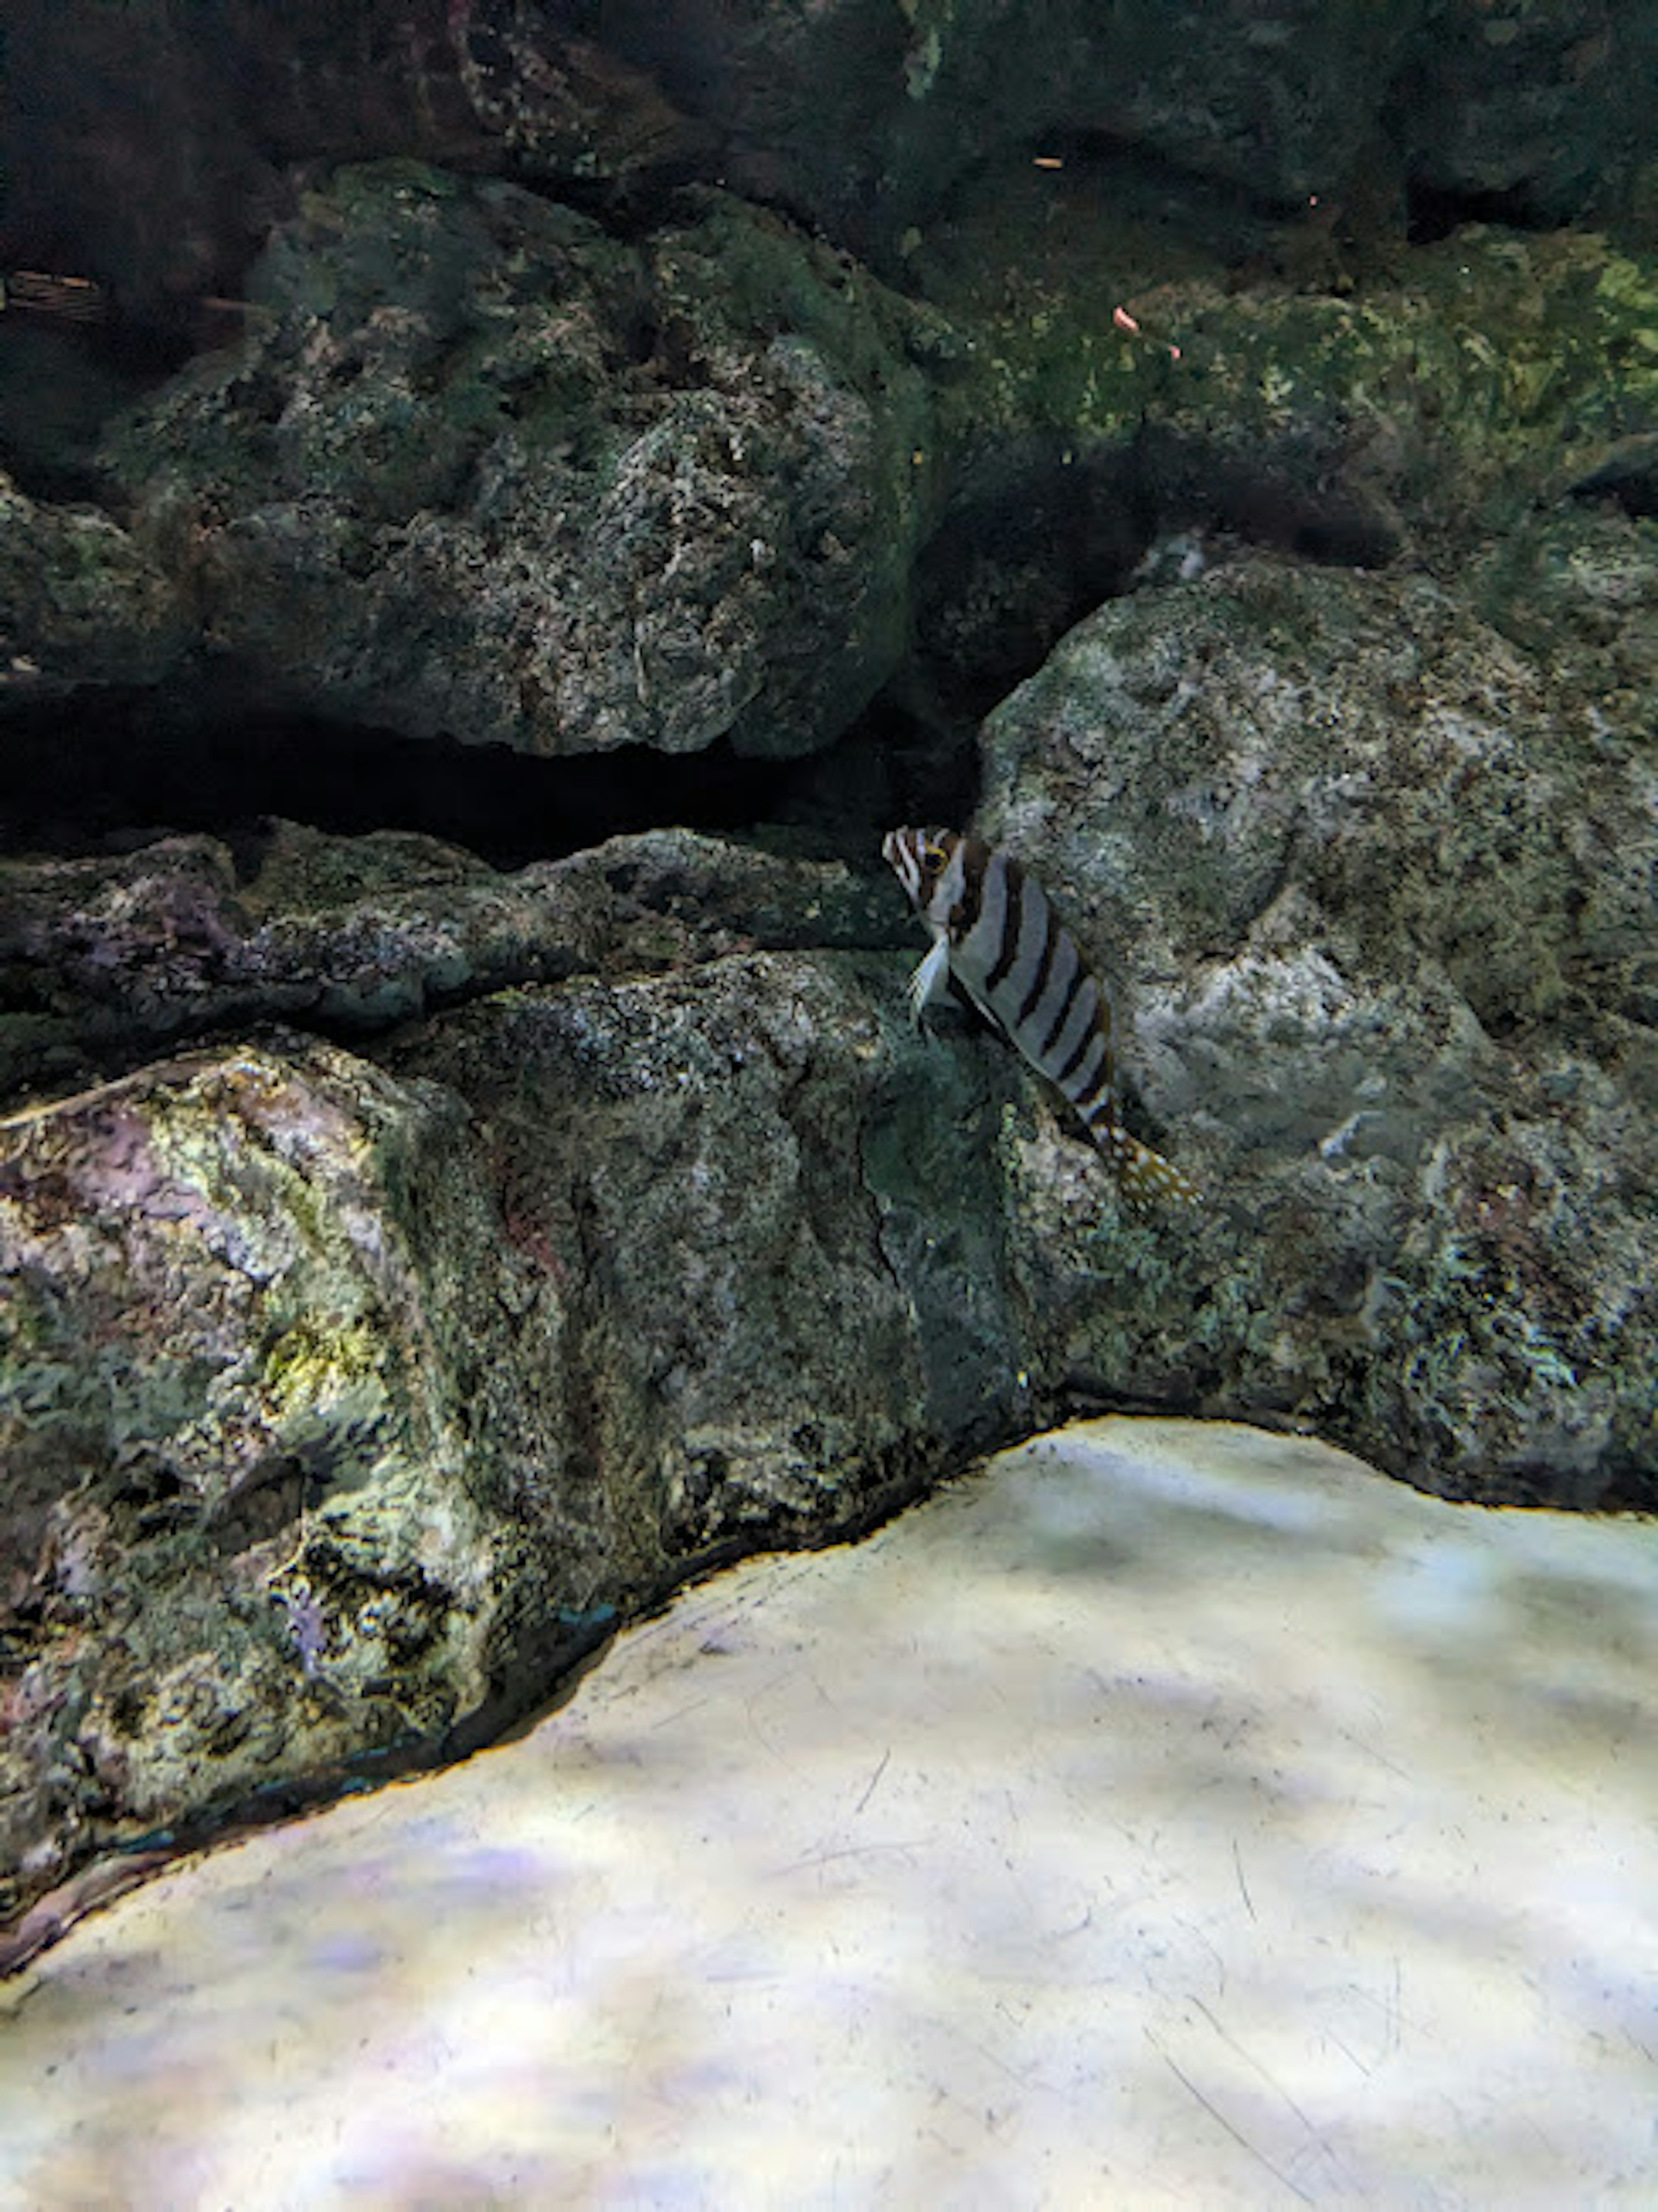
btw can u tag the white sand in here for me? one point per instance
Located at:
(1170, 1816)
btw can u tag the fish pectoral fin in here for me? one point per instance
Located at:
(931, 978)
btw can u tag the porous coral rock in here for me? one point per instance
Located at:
(1378, 888)
(477, 467)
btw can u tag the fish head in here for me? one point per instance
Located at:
(919, 858)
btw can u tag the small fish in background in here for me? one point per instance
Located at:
(306, 1626)
(71, 299)
(995, 935)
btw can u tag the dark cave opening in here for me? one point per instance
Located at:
(1433, 212)
(112, 770)
(1038, 532)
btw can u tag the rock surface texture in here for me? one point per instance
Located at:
(408, 1267)
(1385, 889)
(346, 1398)
(165, 150)
(478, 467)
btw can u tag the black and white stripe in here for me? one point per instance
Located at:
(995, 931)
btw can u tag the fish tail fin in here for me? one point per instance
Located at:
(1147, 1180)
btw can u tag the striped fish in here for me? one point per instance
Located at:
(996, 936)
(75, 298)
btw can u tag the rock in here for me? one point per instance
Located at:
(1629, 474)
(873, 120)
(1580, 592)
(1378, 891)
(162, 154)
(214, 1325)
(544, 532)
(1439, 412)
(1530, 106)
(343, 1406)
(567, 108)
(80, 602)
(1460, 387)
(106, 961)
(480, 468)
(156, 147)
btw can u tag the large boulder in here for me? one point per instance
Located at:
(480, 467)
(1378, 889)
(344, 1405)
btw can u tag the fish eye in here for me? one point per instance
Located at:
(932, 857)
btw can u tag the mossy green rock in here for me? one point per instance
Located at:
(478, 467)
(80, 602)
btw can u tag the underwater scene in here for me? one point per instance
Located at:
(828, 1103)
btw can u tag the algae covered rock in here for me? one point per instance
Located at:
(872, 117)
(213, 1324)
(1378, 891)
(1134, 406)
(479, 467)
(80, 601)
(107, 959)
(343, 1406)
(157, 141)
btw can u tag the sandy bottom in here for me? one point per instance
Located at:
(1169, 1815)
